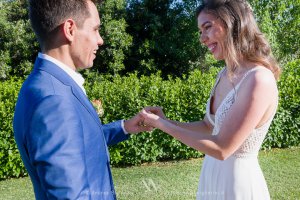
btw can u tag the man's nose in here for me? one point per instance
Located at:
(100, 41)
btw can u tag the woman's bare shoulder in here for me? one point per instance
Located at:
(261, 78)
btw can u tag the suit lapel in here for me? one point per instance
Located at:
(78, 93)
(54, 70)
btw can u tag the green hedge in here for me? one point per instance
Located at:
(10, 161)
(285, 129)
(182, 99)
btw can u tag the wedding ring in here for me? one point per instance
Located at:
(142, 123)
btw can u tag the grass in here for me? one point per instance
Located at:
(179, 180)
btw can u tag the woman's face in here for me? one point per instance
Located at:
(212, 34)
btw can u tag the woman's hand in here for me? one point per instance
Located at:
(155, 110)
(151, 119)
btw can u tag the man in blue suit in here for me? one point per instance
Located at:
(59, 135)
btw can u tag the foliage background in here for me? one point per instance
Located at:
(182, 99)
(147, 36)
(151, 56)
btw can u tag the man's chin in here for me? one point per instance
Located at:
(90, 66)
(86, 67)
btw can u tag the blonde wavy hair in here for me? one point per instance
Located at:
(244, 39)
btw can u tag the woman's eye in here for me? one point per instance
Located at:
(207, 27)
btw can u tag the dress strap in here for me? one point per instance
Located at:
(245, 75)
(236, 88)
(217, 81)
(209, 116)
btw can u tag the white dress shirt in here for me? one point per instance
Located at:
(77, 77)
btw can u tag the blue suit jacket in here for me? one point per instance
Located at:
(61, 139)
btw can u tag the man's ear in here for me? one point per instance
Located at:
(69, 29)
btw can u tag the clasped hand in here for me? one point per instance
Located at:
(145, 120)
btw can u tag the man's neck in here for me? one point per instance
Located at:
(61, 55)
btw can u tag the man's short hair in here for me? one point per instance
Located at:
(47, 15)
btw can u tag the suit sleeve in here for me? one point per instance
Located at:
(114, 133)
(56, 148)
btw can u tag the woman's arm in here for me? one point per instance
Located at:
(203, 126)
(244, 115)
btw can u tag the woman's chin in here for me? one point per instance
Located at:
(217, 56)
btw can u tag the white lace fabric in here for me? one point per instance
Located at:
(238, 177)
(252, 144)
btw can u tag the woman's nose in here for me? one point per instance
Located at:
(203, 38)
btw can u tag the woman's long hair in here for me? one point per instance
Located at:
(244, 39)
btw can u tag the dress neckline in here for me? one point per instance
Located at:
(234, 89)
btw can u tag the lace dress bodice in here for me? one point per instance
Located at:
(252, 144)
(238, 177)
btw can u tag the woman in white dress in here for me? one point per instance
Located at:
(241, 106)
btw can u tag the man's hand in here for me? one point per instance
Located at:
(136, 125)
